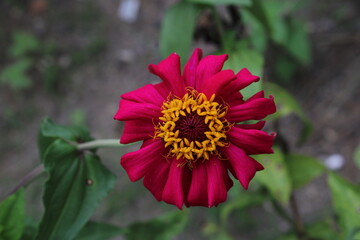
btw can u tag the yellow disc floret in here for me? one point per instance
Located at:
(193, 126)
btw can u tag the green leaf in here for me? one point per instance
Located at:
(303, 169)
(178, 29)
(23, 43)
(269, 14)
(256, 31)
(285, 67)
(287, 104)
(298, 43)
(53, 74)
(15, 74)
(222, 2)
(291, 236)
(291, 34)
(323, 230)
(275, 177)
(213, 231)
(77, 182)
(346, 203)
(242, 201)
(49, 132)
(162, 228)
(99, 231)
(30, 230)
(12, 216)
(357, 156)
(245, 57)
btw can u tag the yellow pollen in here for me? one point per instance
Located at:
(193, 127)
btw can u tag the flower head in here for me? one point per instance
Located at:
(189, 125)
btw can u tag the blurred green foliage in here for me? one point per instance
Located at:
(310, 169)
(346, 203)
(178, 28)
(276, 178)
(12, 216)
(286, 104)
(15, 75)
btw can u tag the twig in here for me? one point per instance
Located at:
(27, 179)
(298, 224)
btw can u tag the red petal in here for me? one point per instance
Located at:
(129, 110)
(216, 83)
(219, 181)
(243, 79)
(251, 140)
(137, 130)
(145, 94)
(209, 183)
(233, 99)
(253, 109)
(198, 192)
(163, 89)
(155, 180)
(169, 71)
(190, 68)
(138, 163)
(207, 67)
(174, 191)
(242, 166)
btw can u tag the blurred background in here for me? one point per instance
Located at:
(71, 60)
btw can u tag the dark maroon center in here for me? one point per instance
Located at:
(192, 127)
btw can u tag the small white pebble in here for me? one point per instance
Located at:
(128, 10)
(334, 161)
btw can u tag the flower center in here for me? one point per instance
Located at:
(193, 126)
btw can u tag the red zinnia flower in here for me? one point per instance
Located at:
(188, 123)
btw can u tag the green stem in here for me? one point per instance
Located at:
(100, 143)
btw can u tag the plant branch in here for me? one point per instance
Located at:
(298, 224)
(280, 210)
(27, 179)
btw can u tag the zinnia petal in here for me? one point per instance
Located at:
(137, 130)
(252, 109)
(174, 190)
(209, 66)
(252, 141)
(219, 181)
(169, 71)
(243, 79)
(198, 192)
(155, 180)
(243, 166)
(138, 163)
(145, 94)
(215, 83)
(210, 183)
(190, 68)
(129, 110)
